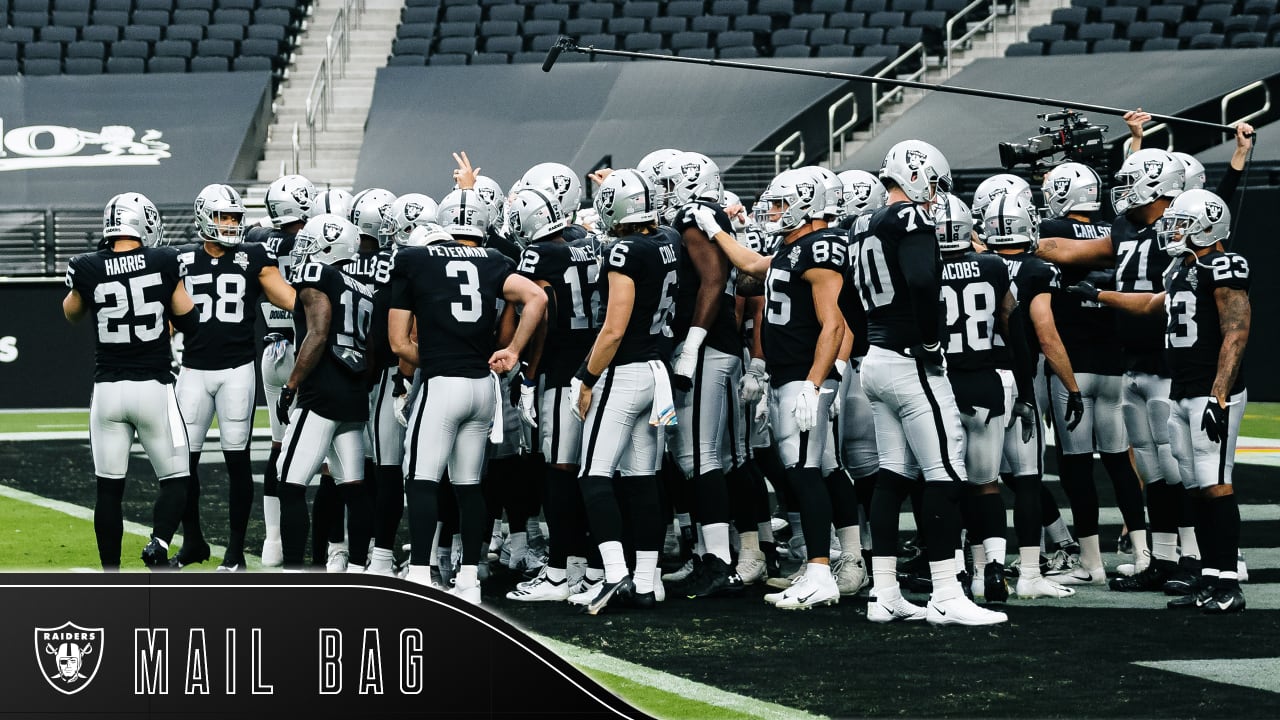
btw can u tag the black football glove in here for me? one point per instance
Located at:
(1085, 289)
(930, 355)
(1024, 411)
(1214, 421)
(287, 395)
(1075, 410)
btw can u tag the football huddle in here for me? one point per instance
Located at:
(668, 393)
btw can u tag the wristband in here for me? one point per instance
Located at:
(586, 377)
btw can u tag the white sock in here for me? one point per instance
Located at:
(1209, 572)
(497, 527)
(850, 541)
(646, 568)
(1164, 546)
(818, 571)
(1090, 553)
(468, 576)
(1029, 565)
(1190, 546)
(1142, 554)
(716, 536)
(1228, 575)
(979, 554)
(996, 547)
(615, 561)
(518, 542)
(750, 541)
(699, 541)
(959, 558)
(557, 574)
(684, 519)
(1058, 532)
(271, 516)
(594, 574)
(337, 547)
(533, 528)
(945, 584)
(884, 578)
(765, 530)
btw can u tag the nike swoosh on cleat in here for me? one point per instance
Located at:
(1224, 605)
(806, 597)
(940, 611)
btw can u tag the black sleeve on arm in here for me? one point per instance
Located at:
(917, 256)
(1227, 186)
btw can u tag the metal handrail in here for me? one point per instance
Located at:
(296, 147)
(781, 150)
(876, 102)
(836, 135)
(1266, 105)
(990, 20)
(337, 41)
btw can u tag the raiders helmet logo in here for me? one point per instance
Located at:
(915, 160)
(861, 191)
(384, 211)
(513, 222)
(68, 656)
(1061, 186)
(606, 199)
(332, 231)
(199, 204)
(412, 211)
(1152, 168)
(691, 171)
(302, 197)
(561, 184)
(1213, 211)
(153, 217)
(486, 194)
(805, 191)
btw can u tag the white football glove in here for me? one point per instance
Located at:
(400, 386)
(754, 382)
(528, 408)
(762, 408)
(806, 408)
(277, 347)
(686, 363)
(706, 219)
(575, 392)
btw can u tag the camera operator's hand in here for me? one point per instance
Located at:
(1135, 119)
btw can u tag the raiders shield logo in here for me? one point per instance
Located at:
(199, 204)
(1061, 186)
(1213, 211)
(561, 184)
(794, 256)
(242, 259)
(153, 217)
(486, 194)
(606, 200)
(691, 171)
(302, 197)
(805, 191)
(68, 656)
(915, 160)
(412, 211)
(513, 222)
(332, 231)
(1152, 168)
(861, 191)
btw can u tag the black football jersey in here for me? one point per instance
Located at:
(1140, 264)
(855, 315)
(1193, 334)
(374, 270)
(791, 326)
(722, 334)
(1030, 276)
(973, 286)
(894, 230)
(225, 291)
(455, 292)
(652, 262)
(280, 244)
(338, 386)
(504, 245)
(1087, 327)
(572, 270)
(128, 296)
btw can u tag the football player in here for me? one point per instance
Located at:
(623, 393)
(802, 334)
(1206, 301)
(329, 379)
(289, 202)
(132, 291)
(226, 279)
(451, 291)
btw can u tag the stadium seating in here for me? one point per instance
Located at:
(87, 37)
(1148, 25)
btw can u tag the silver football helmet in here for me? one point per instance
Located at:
(334, 200)
(1146, 176)
(1195, 219)
(290, 199)
(651, 165)
(132, 215)
(1011, 221)
(426, 234)
(917, 167)
(833, 193)
(491, 193)
(1195, 177)
(863, 192)
(556, 180)
(997, 186)
(687, 177)
(371, 214)
(327, 239)
(464, 215)
(409, 211)
(789, 201)
(1071, 187)
(953, 223)
(216, 202)
(625, 198)
(533, 215)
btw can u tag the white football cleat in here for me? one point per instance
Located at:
(1081, 575)
(421, 574)
(960, 610)
(1028, 588)
(751, 566)
(539, 589)
(1242, 570)
(899, 609)
(585, 591)
(782, 583)
(851, 575)
(685, 571)
(471, 594)
(659, 590)
(337, 561)
(355, 570)
(272, 553)
(384, 566)
(809, 592)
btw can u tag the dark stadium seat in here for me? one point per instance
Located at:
(847, 20)
(73, 18)
(1215, 14)
(807, 21)
(1142, 30)
(1111, 45)
(869, 6)
(8, 50)
(1188, 30)
(950, 7)
(237, 4)
(165, 5)
(1070, 18)
(457, 45)
(448, 59)
(738, 52)
(886, 20)
(1047, 33)
(514, 13)
(583, 26)
(597, 10)
(29, 19)
(904, 37)
(685, 8)
(1249, 40)
(730, 8)
(1237, 24)
(457, 29)
(145, 33)
(496, 28)
(100, 33)
(735, 38)
(1068, 47)
(690, 40)
(642, 41)
(640, 8)
(541, 27)
(210, 64)
(1024, 49)
(1143, 4)
(113, 5)
(41, 66)
(780, 8)
(504, 45)
(792, 51)
(255, 64)
(42, 50)
(197, 17)
(1265, 8)
(193, 33)
(1169, 15)
(543, 43)
(1096, 31)
(754, 23)
(887, 51)
(908, 6)
(1161, 43)
(173, 48)
(603, 41)
(862, 37)
(828, 6)
(10, 67)
(58, 34)
(1119, 16)
(73, 5)
(625, 25)
(167, 65)
(235, 16)
(486, 58)
(709, 24)
(393, 61)
(1094, 7)
(131, 49)
(235, 33)
(463, 13)
(789, 37)
(837, 51)
(418, 15)
(87, 49)
(823, 37)
(126, 65)
(668, 25)
(704, 53)
(1207, 41)
(109, 17)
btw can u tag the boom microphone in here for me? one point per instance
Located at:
(554, 52)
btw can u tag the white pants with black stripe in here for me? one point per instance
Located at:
(857, 425)
(147, 407)
(228, 392)
(984, 434)
(706, 435)
(384, 435)
(311, 440)
(1021, 458)
(1102, 427)
(616, 435)
(1204, 463)
(275, 375)
(559, 432)
(801, 449)
(917, 422)
(449, 428)
(515, 437)
(1147, 411)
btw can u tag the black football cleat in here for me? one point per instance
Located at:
(1225, 601)
(616, 592)
(1202, 592)
(716, 578)
(1151, 579)
(1181, 580)
(155, 555)
(996, 588)
(190, 554)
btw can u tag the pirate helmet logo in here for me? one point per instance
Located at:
(69, 656)
(513, 221)
(199, 204)
(1213, 211)
(1061, 186)
(915, 160)
(332, 231)
(302, 197)
(606, 199)
(861, 191)
(153, 216)
(1152, 168)
(691, 171)
(486, 194)
(805, 191)
(412, 211)
(561, 183)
